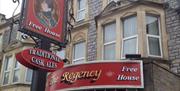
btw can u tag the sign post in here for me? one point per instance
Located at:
(39, 76)
(45, 21)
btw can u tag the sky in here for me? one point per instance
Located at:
(7, 7)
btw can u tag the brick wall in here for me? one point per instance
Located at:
(164, 80)
(95, 7)
(173, 29)
(159, 78)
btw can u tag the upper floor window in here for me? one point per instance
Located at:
(8, 64)
(130, 37)
(137, 31)
(13, 73)
(79, 53)
(28, 76)
(81, 9)
(153, 36)
(109, 35)
(1, 41)
(61, 53)
(16, 73)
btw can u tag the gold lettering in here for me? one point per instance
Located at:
(74, 76)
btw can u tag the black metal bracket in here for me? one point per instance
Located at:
(13, 21)
(70, 20)
(37, 45)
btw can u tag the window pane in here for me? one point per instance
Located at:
(8, 63)
(79, 50)
(154, 46)
(109, 52)
(110, 33)
(29, 75)
(1, 40)
(6, 78)
(16, 76)
(61, 54)
(152, 25)
(81, 14)
(79, 61)
(81, 9)
(129, 46)
(130, 27)
(17, 64)
(82, 4)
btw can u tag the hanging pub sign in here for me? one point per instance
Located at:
(44, 19)
(39, 59)
(127, 74)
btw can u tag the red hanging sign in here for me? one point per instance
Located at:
(39, 59)
(97, 75)
(44, 19)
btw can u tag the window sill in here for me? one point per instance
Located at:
(14, 85)
(80, 24)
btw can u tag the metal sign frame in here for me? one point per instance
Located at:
(23, 29)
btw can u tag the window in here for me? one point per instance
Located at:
(81, 10)
(137, 31)
(61, 53)
(109, 41)
(16, 75)
(29, 74)
(112, 0)
(1, 40)
(153, 36)
(8, 64)
(79, 53)
(130, 37)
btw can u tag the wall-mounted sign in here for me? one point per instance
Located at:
(97, 75)
(40, 59)
(44, 19)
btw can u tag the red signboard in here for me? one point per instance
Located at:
(44, 19)
(39, 59)
(97, 75)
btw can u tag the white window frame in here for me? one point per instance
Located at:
(80, 10)
(108, 43)
(155, 36)
(26, 76)
(1, 42)
(56, 52)
(75, 61)
(6, 71)
(128, 38)
(13, 71)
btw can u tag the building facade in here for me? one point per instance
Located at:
(106, 30)
(14, 76)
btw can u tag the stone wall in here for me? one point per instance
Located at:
(16, 88)
(95, 7)
(165, 80)
(173, 29)
(159, 78)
